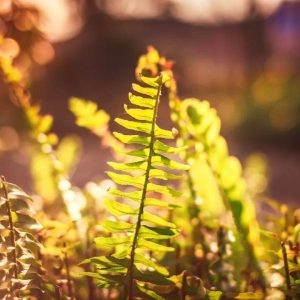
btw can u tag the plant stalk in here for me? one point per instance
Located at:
(144, 193)
(286, 268)
(57, 292)
(69, 282)
(183, 288)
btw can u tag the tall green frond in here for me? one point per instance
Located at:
(141, 236)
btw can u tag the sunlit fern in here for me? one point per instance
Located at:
(123, 268)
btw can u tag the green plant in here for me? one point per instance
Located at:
(150, 241)
(141, 236)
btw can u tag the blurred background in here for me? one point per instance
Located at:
(241, 55)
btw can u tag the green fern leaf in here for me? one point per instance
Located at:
(139, 114)
(135, 196)
(127, 179)
(117, 226)
(129, 167)
(149, 294)
(163, 134)
(153, 246)
(132, 139)
(113, 241)
(162, 161)
(141, 153)
(152, 187)
(157, 233)
(150, 264)
(159, 203)
(152, 92)
(134, 125)
(148, 217)
(161, 147)
(147, 229)
(160, 174)
(119, 209)
(141, 101)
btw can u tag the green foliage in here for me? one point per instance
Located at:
(203, 125)
(88, 115)
(133, 235)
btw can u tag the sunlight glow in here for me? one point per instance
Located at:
(5, 6)
(267, 7)
(125, 9)
(59, 20)
(210, 11)
(9, 139)
(42, 52)
(9, 48)
(190, 11)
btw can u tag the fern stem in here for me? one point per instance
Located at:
(184, 284)
(144, 193)
(286, 268)
(87, 268)
(57, 292)
(12, 236)
(69, 282)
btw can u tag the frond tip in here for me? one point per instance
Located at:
(143, 235)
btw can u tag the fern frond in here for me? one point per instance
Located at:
(20, 275)
(147, 229)
(203, 125)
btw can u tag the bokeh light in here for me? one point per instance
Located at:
(58, 20)
(9, 139)
(9, 48)
(42, 52)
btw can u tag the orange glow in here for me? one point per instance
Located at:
(124, 9)
(194, 11)
(42, 52)
(58, 20)
(190, 11)
(23, 61)
(9, 139)
(9, 48)
(5, 7)
(267, 7)
(25, 20)
(207, 11)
